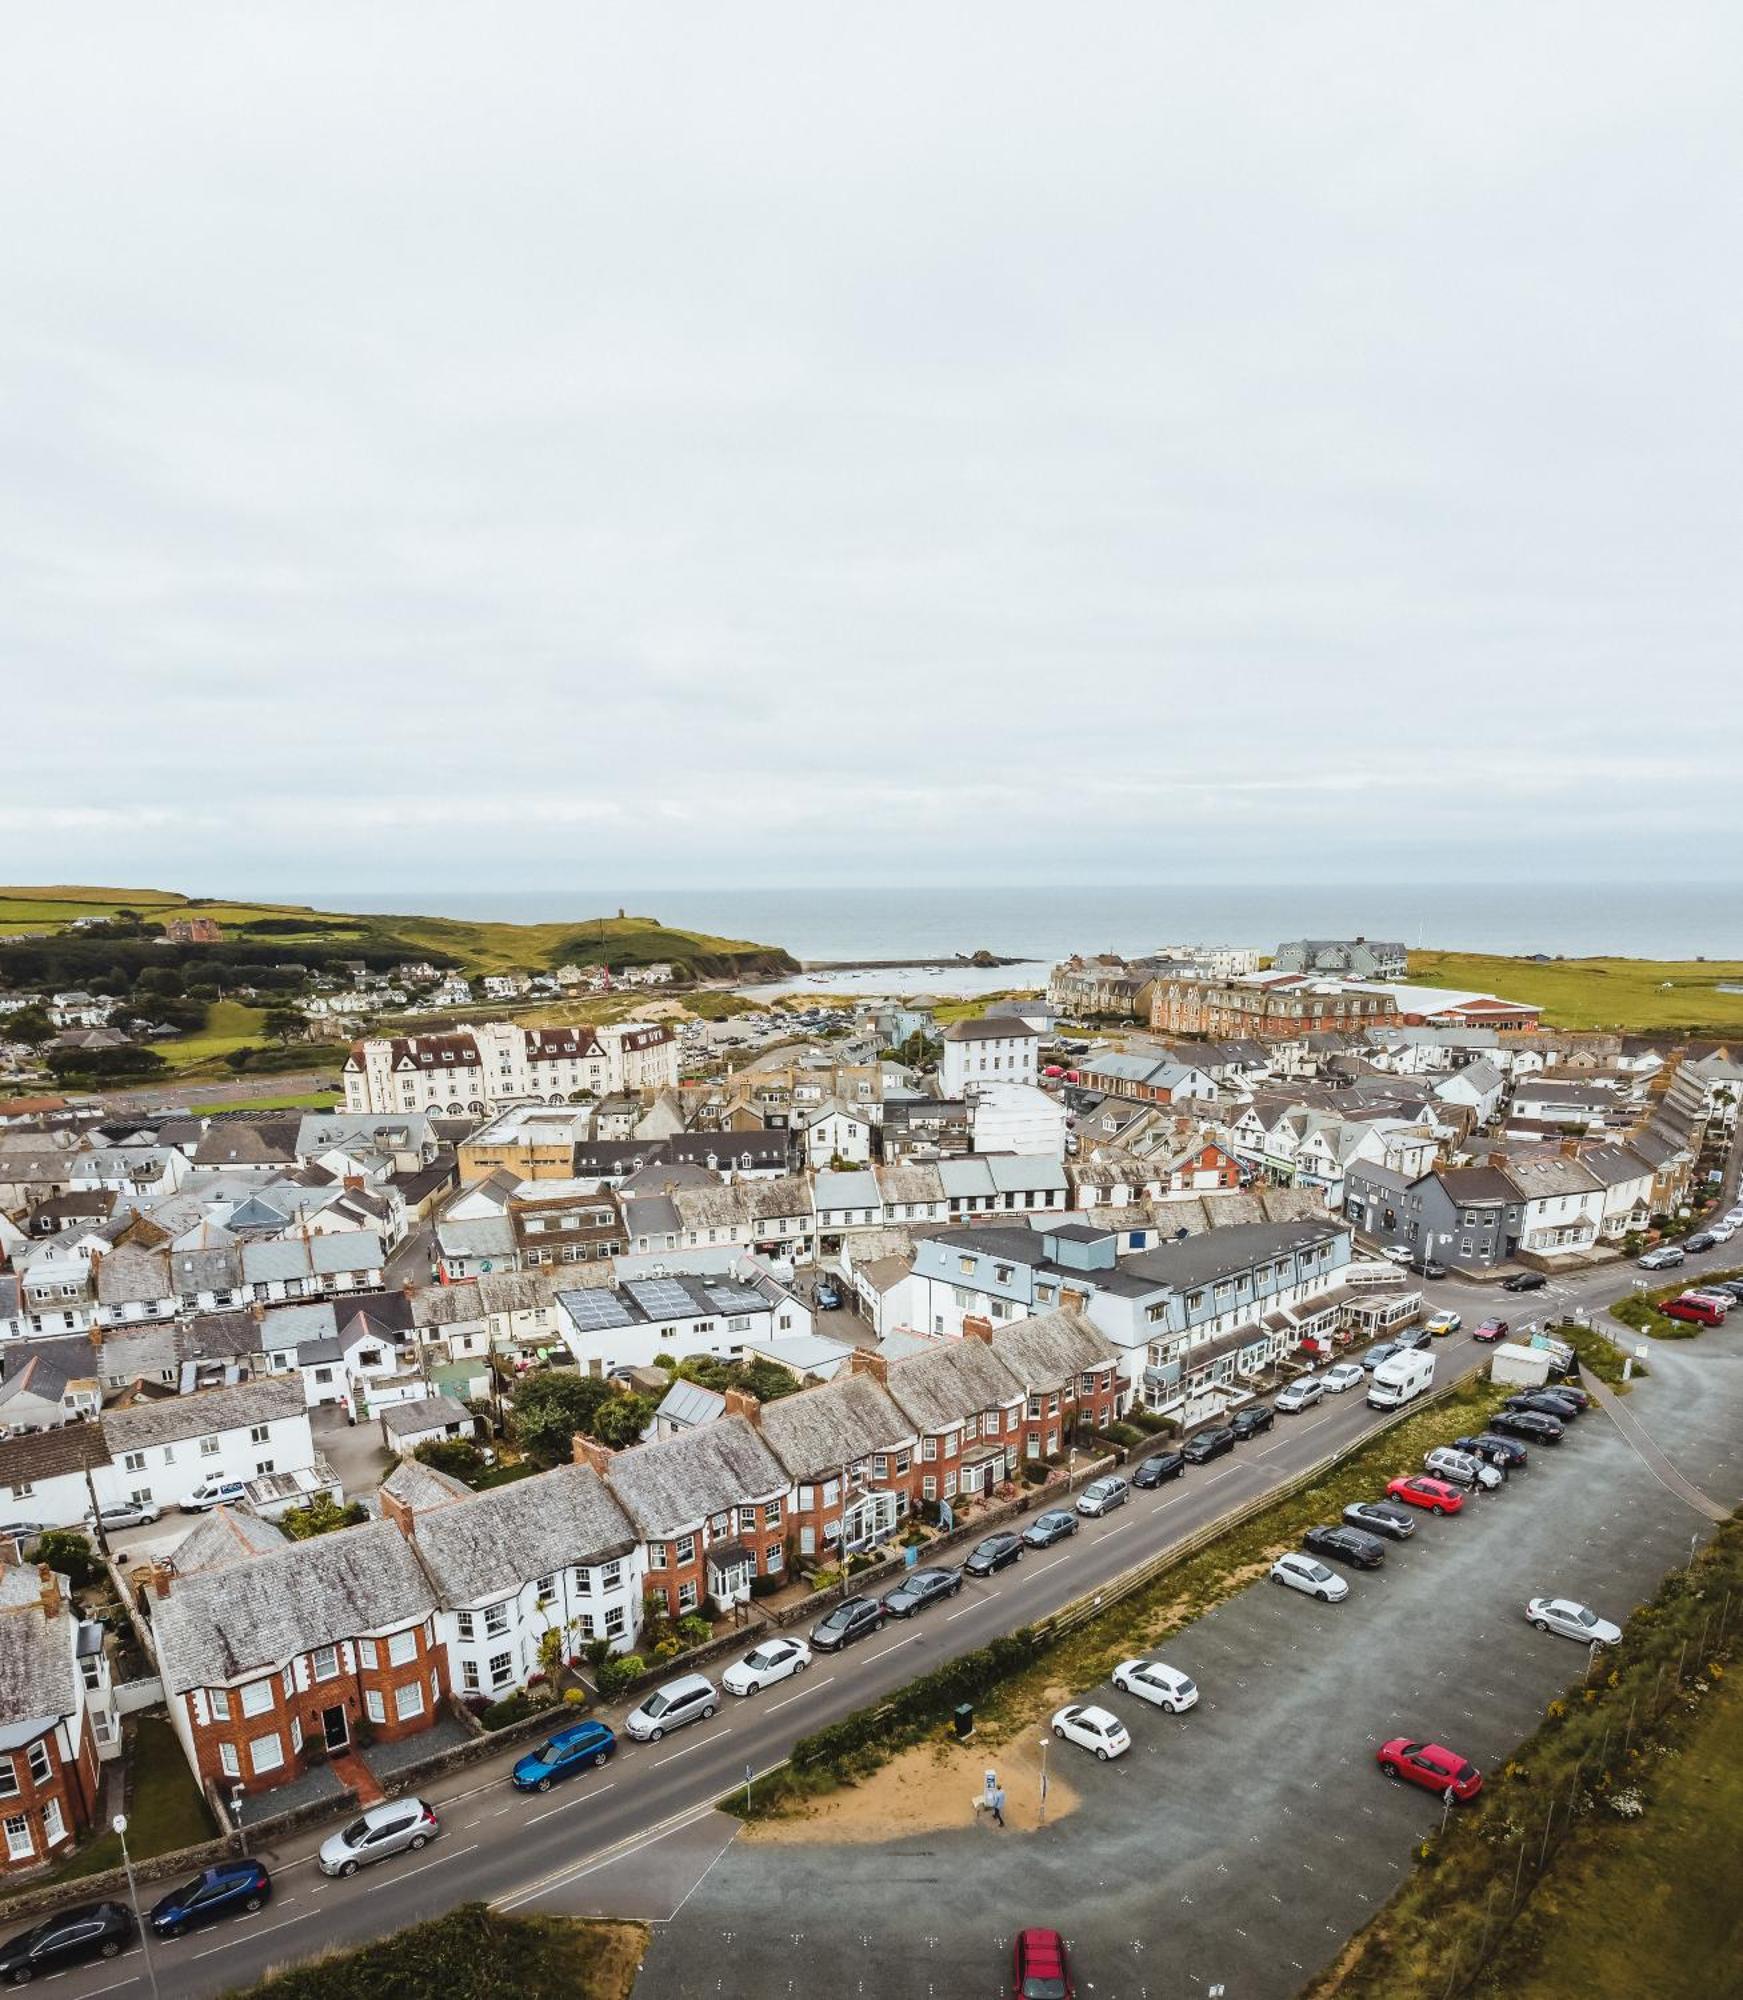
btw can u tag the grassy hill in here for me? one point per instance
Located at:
(1635, 995)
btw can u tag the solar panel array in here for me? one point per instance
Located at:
(661, 1298)
(734, 1298)
(594, 1311)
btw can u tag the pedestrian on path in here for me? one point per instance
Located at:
(996, 1804)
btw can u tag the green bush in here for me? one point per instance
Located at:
(694, 1631)
(617, 1673)
(514, 1707)
(454, 1456)
(70, 1554)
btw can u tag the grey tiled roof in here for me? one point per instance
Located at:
(492, 1543)
(939, 1389)
(670, 1486)
(227, 1535)
(206, 1411)
(317, 1256)
(428, 1413)
(38, 1675)
(1050, 1348)
(421, 1486)
(820, 1430)
(128, 1275)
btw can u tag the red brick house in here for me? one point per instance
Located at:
(53, 1695)
(968, 1410)
(852, 1455)
(1069, 1374)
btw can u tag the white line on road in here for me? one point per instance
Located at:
(440, 1858)
(245, 1937)
(782, 1703)
(1042, 1568)
(116, 1988)
(606, 1858)
(701, 1743)
(589, 1792)
(912, 1636)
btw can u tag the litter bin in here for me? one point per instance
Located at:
(964, 1720)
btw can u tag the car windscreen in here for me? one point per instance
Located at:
(1044, 1987)
(355, 1832)
(657, 1704)
(770, 1658)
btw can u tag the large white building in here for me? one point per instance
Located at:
(477, 1069)
(998, 1048)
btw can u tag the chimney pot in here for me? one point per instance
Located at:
(741, 1403)
(589, 1451)
(861, 1362)
(975, 1327)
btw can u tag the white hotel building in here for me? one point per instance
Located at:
(479, 1069)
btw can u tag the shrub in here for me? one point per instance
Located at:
(574, 1697)
(68, 1552)
(618, 1672)
(694, 1631)
(514, 1707)
(668, 1646)
(1033, 1473)
(454, 1456)
(320, 1517)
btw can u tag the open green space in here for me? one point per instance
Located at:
(1633, 995)
(314, 1100)
(1637, 1310)
(165, 1811)
(229, 1025)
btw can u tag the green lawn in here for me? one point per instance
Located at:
(1635, 995)
(315, 1100)
(164, 1808)
(229, 1025)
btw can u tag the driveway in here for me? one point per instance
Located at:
(354, 1451)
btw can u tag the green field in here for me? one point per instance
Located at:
(316, 1100)
(229, 1025)
(1633, 995)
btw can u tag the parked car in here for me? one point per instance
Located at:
(1503, 1451)
(213, 1493)
(1203, 1446)
(1531, 1425)
(1568, 1392)
(1463, 1468)
(1711, 1295)
(1102, 1496)
(1053, 1526)
(1409, 1338)
(774, 1660)
(1164, 1465)
(1428, 1267)
(1546, 1402)
(228, 1889)
(1381, 1517)
(828, 1297)
(1441, 1323)
(1524, 1281)
(920, 1588)
(1397, 1253)
(1702, 1239)
(1722, 1232)
(1346, 1375)
(1696, 1312)
(23, 1531)
(1432, 1766)
(1301, 1394)
(1304, 1574)
(69, 1937)
(392, 1827)
(1490, 1330)
(993, 1554)
(854, 1618)
(1092, 1728)
(1572, 1621)
(1251, 1419)
(1420, 1491)
(584, 1747)
(1732, 1288)
(1038, 1967)
(689, 1698)
(1348, 1544)
(1163, 1687)
(1382, 1350)
(131, 1514)
(1665, 1258)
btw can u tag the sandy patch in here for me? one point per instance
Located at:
(659, 1010)
(929, 1788)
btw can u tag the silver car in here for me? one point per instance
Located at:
(389, 1828)
(1572, 1621)
(1463, 1468)
(1102, 1496)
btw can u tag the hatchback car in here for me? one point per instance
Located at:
(774, 1660)
(1381, 1517)
(1256, 1417)
(692, 1697)
(828, 1298)
(1730, 1288)
(1572, 1621)
(1532, 1425)
(1524, 1281)
(1490, 1330)
(1301, 1394)
(1153, 1471)
(393, 1827)
(1102, 1496)
(1051, 1527)
(1091, 1728)
(1702, 1239)
(1441, 1323)
(1463, 1468)
(1163, 1687)
(1382, 1350)
(993, 1554)
(1722, 1232)
(1201, 1448)
(1410, 1338)
(1503, 1451)
(1431, 1765)
(88, 1930)
(1694, 1312)
(1346, 1375)
(1545, 1402)
(920, 1588)
(1038, 1967)
(584, 1748)
(230, 1889)
(1345, 1544)
(1304, 1574)
(1433, 1494)
(1397, 1253)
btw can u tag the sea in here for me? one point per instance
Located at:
(906, 927)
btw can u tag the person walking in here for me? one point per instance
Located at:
(996, 1804)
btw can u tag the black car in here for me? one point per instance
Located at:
(1427, 1267)
(993, 1554)
(1571, 1392)
(1348, 1544)
(1382, 1350)
(1051, 1527)
(1256, 1417)
(1524, 1281)
(1547, 1402)
(1407, 1339)
(1208, 1445)
(919, 1588)
(89, 1930)
(1508, 1453)
(1152, 1471)
(1382, 1517)
(1532, 1425)
(1702, 1239)
(231, 1888)
(854, 1618)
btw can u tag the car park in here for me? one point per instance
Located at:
(1303, 1573)
(1301, 1394)
(1048, 1528)
(227, 1889)
(1490, 1330)
(1694, 1312)
(854, 1618)
(396, 1826)
(1162, 1465)
(1463, 1468)
(921, 1588)
(1102, 1496)
(1431, 1765)
(1572, 1621)
(1531, 1425)
(1442, 1323)
(1164, 1687)
(673, 1704)
(1347, 1543)
(1524, 1281)
(69, 1937)
(1203, 1446)
(1346, 1375)
(774, 1660)
(213, 1493)
(1418, 1490)
(1506, 1452)
(1092, 1728)
(1251, 1420)
(1381, 1517)
(1665, 1258)
(1039, 1969)
(583, 1747)
(1382, 1350)
(993, 1554)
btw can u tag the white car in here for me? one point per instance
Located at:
(1443, 1322)
(1346, 1375)
(1300, 1394)
(1170, 1690)
(772, 1661)
(1572, 1621)
(1096, 1729)
(1463, 1468)
(1397, 1253)
(1722, 1232)
(1305, 1574)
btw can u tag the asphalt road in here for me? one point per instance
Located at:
(636, 1842)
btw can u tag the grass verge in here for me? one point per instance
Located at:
(472, 1953)
(1637, 1310)
(1598, 1354)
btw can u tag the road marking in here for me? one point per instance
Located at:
(783, 1702)
(1043, 1568)
(1119, 1527)
(591, 1792)
(701, 1743)
(440, 1858)
(245, 1937)
(621, 1851)
(912, 1636)
(963, 1613)
(116, 1988)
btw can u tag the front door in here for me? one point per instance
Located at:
(335, 1728)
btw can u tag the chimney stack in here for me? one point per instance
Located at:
(51, 1591)
(589, 1451)
(862, 1362)
(394, 1509)
(975, 1327)
(741, 1403)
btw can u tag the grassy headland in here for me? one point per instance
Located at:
(1640, 996)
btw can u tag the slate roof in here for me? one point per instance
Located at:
(1539, 1180)
(428, 1413)
(235, 1142)
(314, 1256)
(941, 1388)
(1050, 1348)
(421, 1487)
(1002, 1027)
(39, 1675)
(668, 1487)
(205, 1411)
(1219, 1253)
(821, 1430)
(129, 1276)
(40, 1455)
(225, 1536)
(490, 1543)
(216, 1270)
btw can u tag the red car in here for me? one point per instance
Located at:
(1434, 1494)
(1432, 1766)
(1491, 1329)
(1699, 1311)
(1038, 1968)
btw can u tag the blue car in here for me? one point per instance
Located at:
(231, 1889)
(584, 1747)
(828, 1296)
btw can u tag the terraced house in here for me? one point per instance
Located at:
(56, 1717)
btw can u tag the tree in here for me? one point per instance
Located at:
(457, 1457)
(239, 1059)
(320, 1517)
(550, 1407)
(68, 1552)
(30, 1025)
(284, 1025)
(105, 1065)
(621, 1421)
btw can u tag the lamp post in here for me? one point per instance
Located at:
(1042, 1817)
(119, 1822)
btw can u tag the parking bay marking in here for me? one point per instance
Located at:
(590, 1792)
(782, 1703)
(250, 1933)
(912, 1636)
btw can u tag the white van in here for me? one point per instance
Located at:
(1400, 1379)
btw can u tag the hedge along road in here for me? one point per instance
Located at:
(604, 1845)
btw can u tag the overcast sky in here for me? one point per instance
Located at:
(521, 446)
